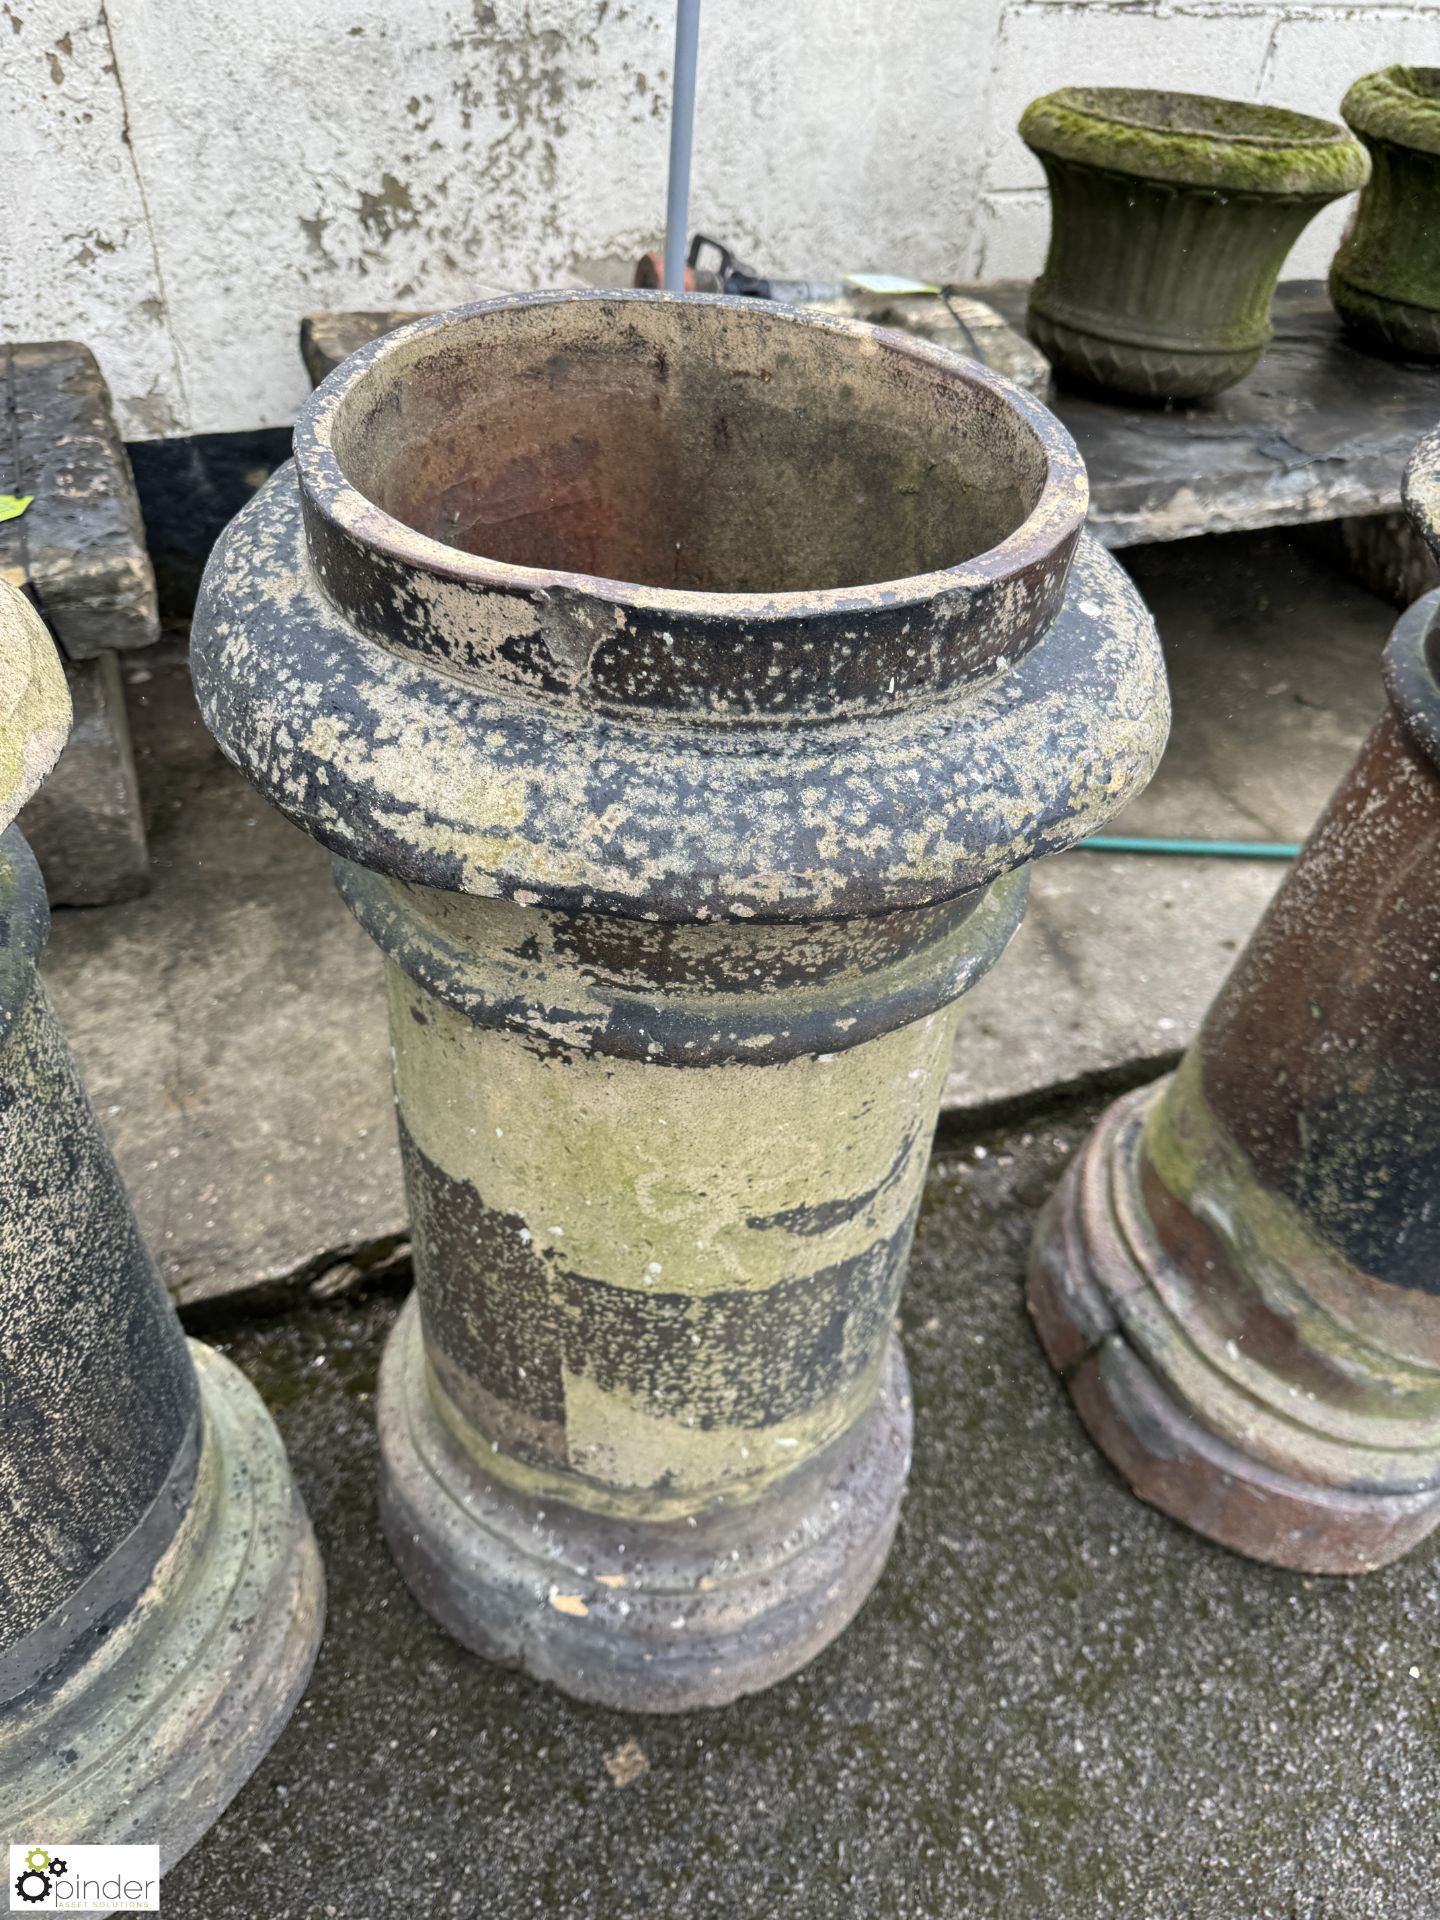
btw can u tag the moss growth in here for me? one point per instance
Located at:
(1172, 217)
(1386, 276)
(647, 1222)
(1399, 104)
(1195, 140)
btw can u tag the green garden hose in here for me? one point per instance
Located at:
(1216, 849)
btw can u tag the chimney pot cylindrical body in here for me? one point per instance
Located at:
(160, 1592)
(681, 686)
(1237, 1276)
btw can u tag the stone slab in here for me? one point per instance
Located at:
(1056, 1702)
(1318, 430)
(231, 1024)
(84, 825)
(328, 337)
(79, 549)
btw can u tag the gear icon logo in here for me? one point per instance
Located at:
(35, 1881)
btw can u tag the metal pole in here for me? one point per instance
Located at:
(682, 130)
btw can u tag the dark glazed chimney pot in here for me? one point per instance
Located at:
(681, 841)
(160, 1592)
(1239, 1277)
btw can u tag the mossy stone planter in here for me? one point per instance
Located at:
(1385, 280)
(1171, 216)
(682, 685)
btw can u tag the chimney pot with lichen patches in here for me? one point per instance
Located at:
(682, 686)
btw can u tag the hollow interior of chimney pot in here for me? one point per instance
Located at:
(687, 446)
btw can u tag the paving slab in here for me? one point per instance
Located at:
(231, 1027)
(1273, 653)
(1057, 1702)
(230, 1024)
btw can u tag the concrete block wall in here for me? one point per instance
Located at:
(1295, 55)
(182, 181)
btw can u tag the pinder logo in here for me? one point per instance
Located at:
(84, 1879)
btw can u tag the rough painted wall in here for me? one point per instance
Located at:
(183, 180)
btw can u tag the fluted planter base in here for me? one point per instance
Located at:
(145, 1732)
(652, 1616)
(1098, 1274)
(1140, 369)
(1398, 329)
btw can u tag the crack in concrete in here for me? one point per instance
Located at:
(336, 1273)
(126, 135)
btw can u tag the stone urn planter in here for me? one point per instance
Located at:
(160, 1592)
(1171, 216)
(1237, 1276)
(682, 685)
(1385, 279)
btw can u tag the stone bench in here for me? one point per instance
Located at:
(78, 552)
